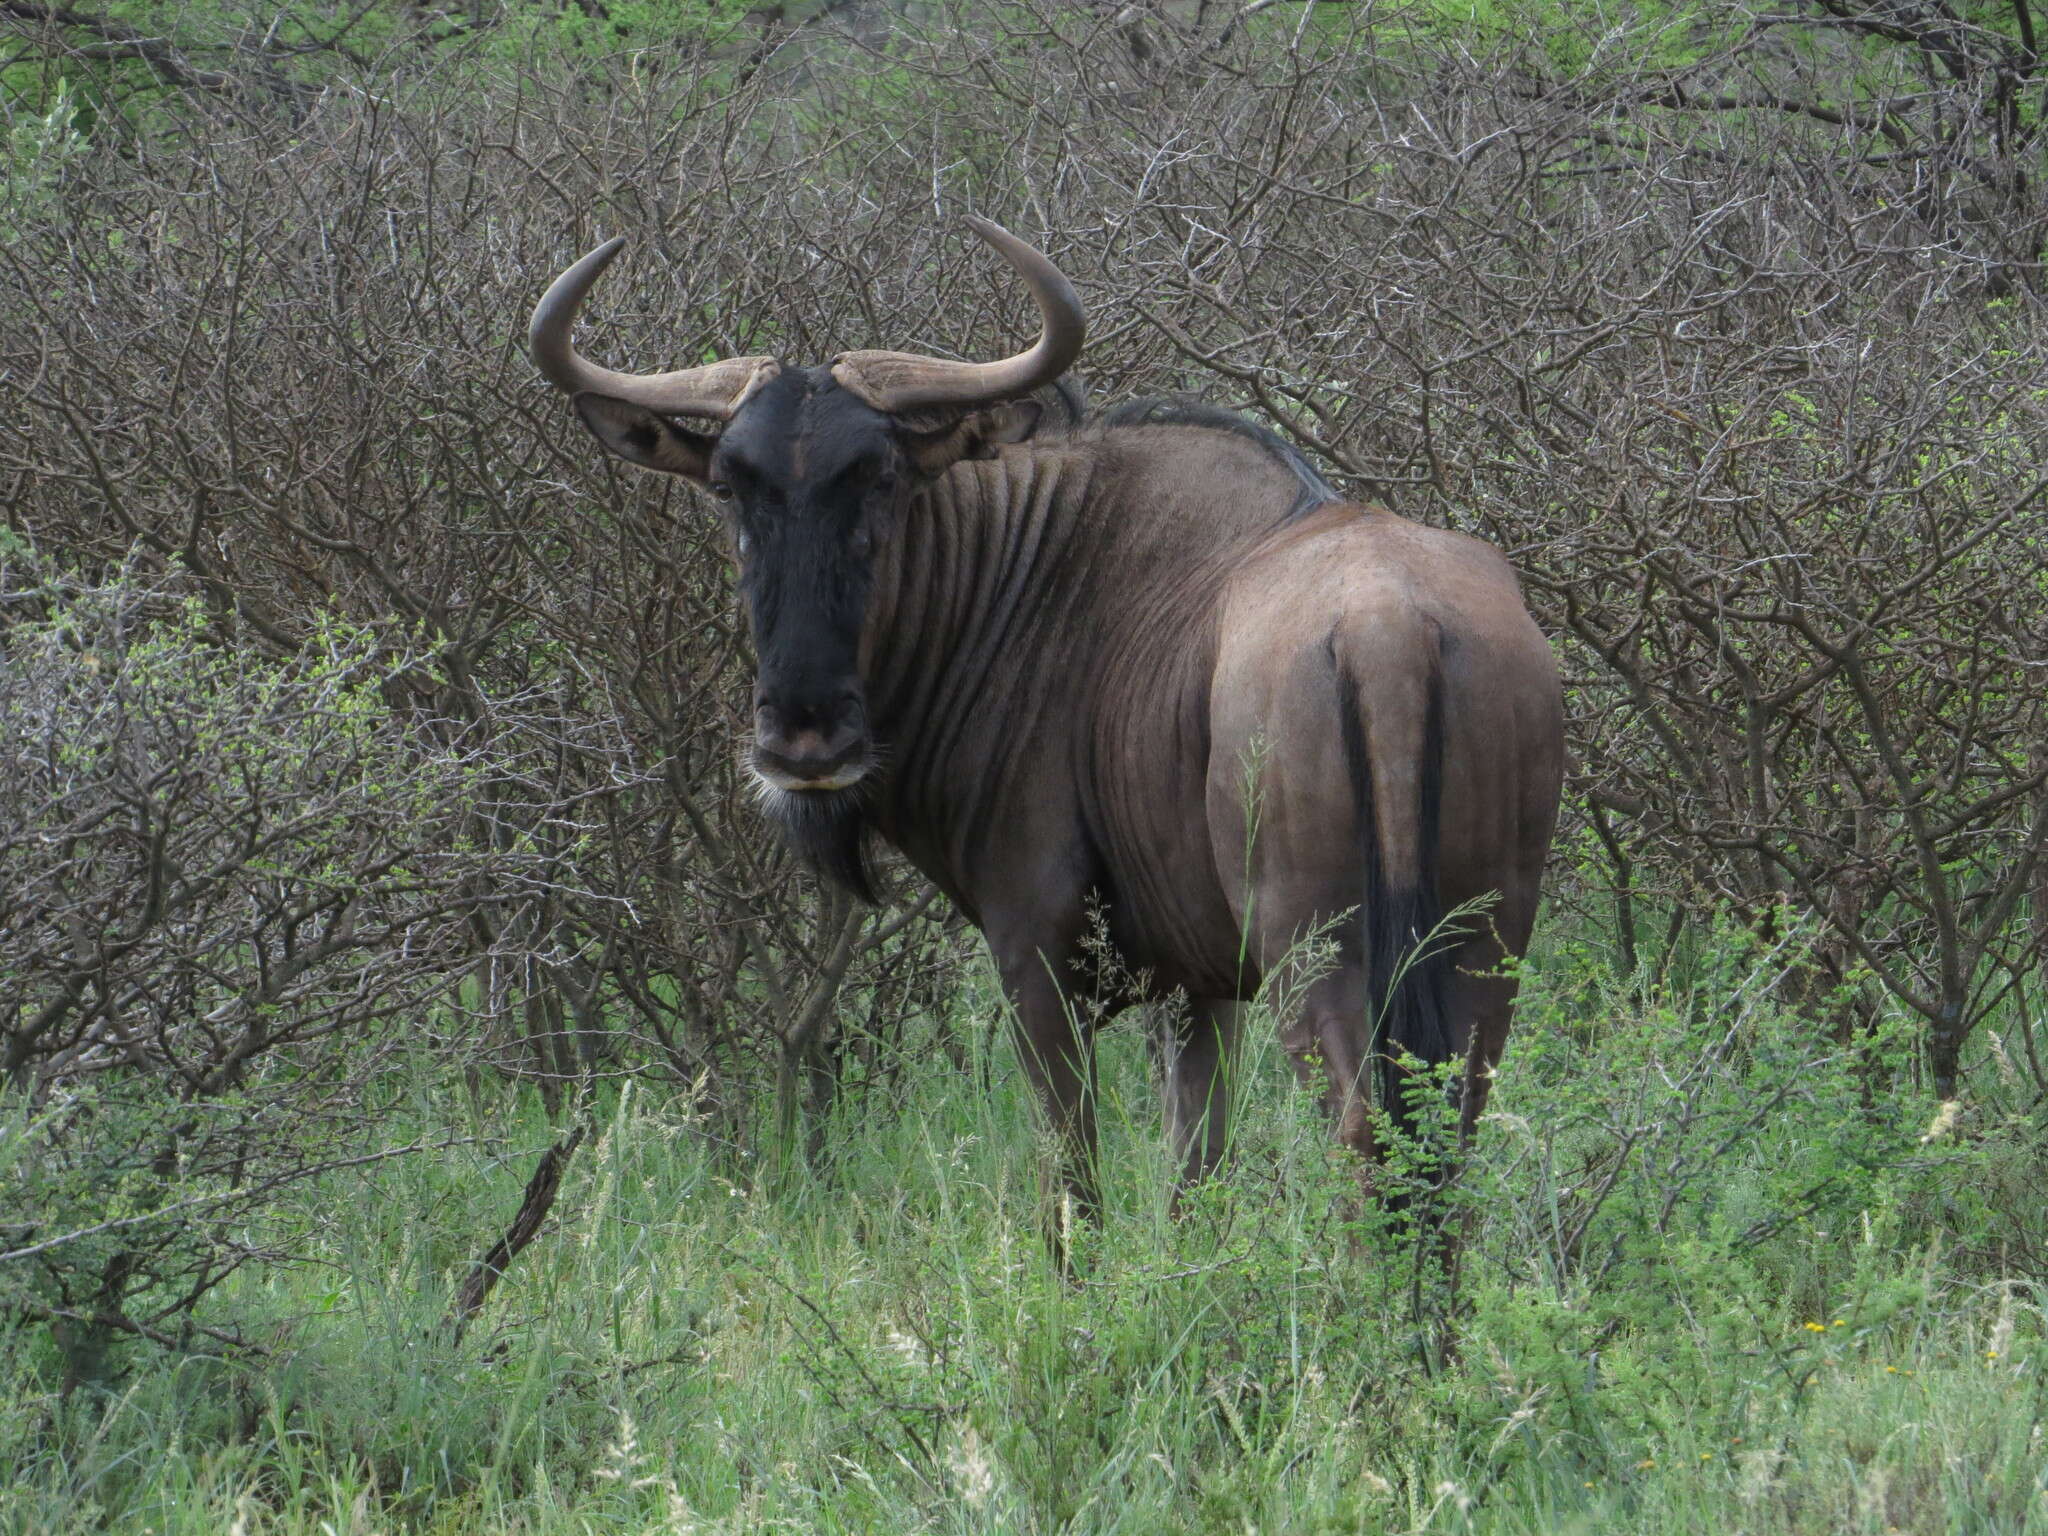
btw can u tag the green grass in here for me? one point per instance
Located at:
(1714, 1281)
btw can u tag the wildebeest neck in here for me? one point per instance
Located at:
(1021, 598)
(976, 617)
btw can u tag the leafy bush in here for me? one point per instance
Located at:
(236, 890)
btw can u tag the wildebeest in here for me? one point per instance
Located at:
(1149, 666)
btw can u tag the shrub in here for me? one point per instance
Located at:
(238, 891)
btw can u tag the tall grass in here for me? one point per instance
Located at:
(1713, 1278)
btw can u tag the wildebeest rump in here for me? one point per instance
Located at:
(1149, 666)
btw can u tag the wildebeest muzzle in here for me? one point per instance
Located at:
(810, 739)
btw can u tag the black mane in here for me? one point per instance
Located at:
(830, 831)
(1185, 411)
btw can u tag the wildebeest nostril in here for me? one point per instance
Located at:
(828, 715)
(798, 733)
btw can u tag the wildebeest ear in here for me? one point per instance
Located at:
(976, 435)
(639, 436)
(1010, 423)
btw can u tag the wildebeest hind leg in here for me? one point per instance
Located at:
(1482, 998)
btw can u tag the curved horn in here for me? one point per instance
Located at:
(714, 390)
(903, 381)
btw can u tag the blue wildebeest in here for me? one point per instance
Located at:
(1048, 663)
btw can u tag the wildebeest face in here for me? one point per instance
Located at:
(813, 481)
(816, 468)
(809, 478)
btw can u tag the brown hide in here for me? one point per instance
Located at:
(1101, 662)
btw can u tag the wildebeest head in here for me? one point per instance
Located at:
(815, 466)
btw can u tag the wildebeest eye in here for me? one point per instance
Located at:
(865, 476)
(721, 491)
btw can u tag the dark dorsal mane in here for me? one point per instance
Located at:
(1185, 411)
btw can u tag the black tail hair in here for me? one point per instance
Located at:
(1410, 1007)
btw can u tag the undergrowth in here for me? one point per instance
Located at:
(1718, 1273)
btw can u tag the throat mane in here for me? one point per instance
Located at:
(831, 831)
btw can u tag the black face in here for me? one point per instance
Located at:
(812, 478)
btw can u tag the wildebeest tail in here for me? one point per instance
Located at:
(1407, 963)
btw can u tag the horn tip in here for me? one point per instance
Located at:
(547, 333)
(603, 255)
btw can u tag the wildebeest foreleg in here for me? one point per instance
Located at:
(1198, 1050)
(1332, 1038)
(1057, 1045)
